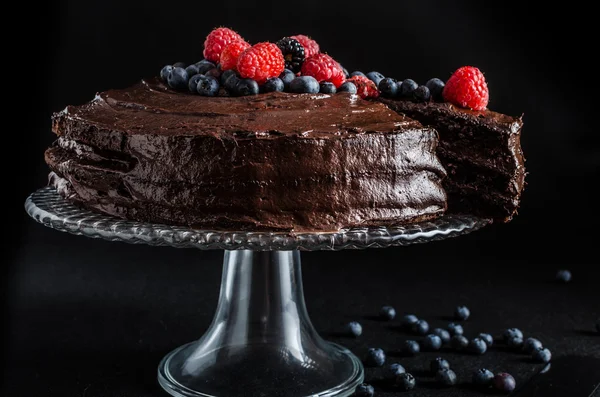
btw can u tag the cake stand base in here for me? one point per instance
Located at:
(261, 341)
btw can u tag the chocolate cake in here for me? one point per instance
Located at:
(274, 161)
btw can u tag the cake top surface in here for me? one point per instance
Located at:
(150, 107)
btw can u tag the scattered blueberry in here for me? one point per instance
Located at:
(421, 94)
(375, 77)
(193, 83)
(207, 86)
(443, 334)
(504, 382)
(541, 355)
(459, 342)
(205, 66)
(354, 328)
(364, 390)
(178, 79)
(462, 313)
(455, 329)
(388, 87)
(164, 72)
(214, 72)
(246, 87)
(387, 313)
(531, 344)
(446, 377)
(304, 84)
(375, 357)
(483, 377)
(327, 88)
(179, 65)
(411, 347)
(357, 73)
(348, 87)
(487, 338)
(436, 87)
(272, 85)
(407, 88)
(421, 327)
(405, 381)
(432, 342)
(477, 346)
(395, 369)
(287, 76)
(437, 364)
(515, 343)
(192, 70)
(226, 75)
(512, 333)
(563, 276)
(409, 319)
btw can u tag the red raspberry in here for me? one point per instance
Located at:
(324, 68)
(365, 86)
(261, 62)
(231, 53)
(217, 40)
(311, 47)
(467, 88)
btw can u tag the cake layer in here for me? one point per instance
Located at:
(481, 152)
(297, 162)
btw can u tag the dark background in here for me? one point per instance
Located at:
(84, 316)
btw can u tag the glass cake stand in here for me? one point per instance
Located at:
(261, 341)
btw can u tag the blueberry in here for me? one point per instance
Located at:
(487, 338)
(179, 65)
(443, 334)
(205, 62)
(409, 319)
(411, 347)
(438, 363)
(246, 87)
(395, 369)
(375, 77)
(387, 313)
(388, 87)
(421, 94)
(531, 344)
(178, 79)
(515, 343)
(204, 66)
(407, 88)
(459, 342)
(364, 390)
(164, 72)
(504, 382)
(193, 83)
(346, 74)
(541, 355)
(405, 381)
(192, 70)
(375, 357)
(461, 312)
(483, 377)
(304, 85)
(274, 84)
(348, 87)
(477, 346)
(455, 329)
(353, 328)
(432, 342)
(436, 87)
(446, 377)
(357, 73)
(226, 75)
(512, 333)
(327, 88)
(207, 86)
(564, 276)
(421, 327)
(287, 76)
(231, 84)
(214, 72)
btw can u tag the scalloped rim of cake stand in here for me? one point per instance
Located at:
(47, 207)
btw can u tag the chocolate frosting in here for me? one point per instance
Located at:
(279, 161)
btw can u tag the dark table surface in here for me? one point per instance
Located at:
(93, 318)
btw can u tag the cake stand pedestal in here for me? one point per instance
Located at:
(261, 341)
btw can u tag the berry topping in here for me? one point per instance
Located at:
(438, 363)
(408, 320)
(217, 40)
(487, 338)
(446, 377)
(477, 346)
(512, 333)
(323, 68)
(387, 313)
(226, 75)
(164, 72)
(287, 76)
(348, 87)
(531, 344)
(245, 87)
(311, 47)
(365, 88)
(483, 377)
(436, 86)
(271, 85)
(375, 77)
(193, 83)
(504, 382)
(204, 66)
(432, 342)
(293, 53)
(375, 357)
(346, 74)
(327, 88)
(304, 85)
(443, 334)
(364, 390)
(564, 276)
(388, 87)
(214, 72)
(407, 88)
(357, 73)
(261, 62)
(459, 342)
(353, 328)
(411, 347)
(192, 70)
(467, 88)
(461, 312)
(395, 369)
(178, 79)
(542, 355)
(231, 53)
(207, 86)
(179, 65)
(421, 94)
(455, 329)
(405, 381)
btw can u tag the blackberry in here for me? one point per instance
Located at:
(293, 53)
